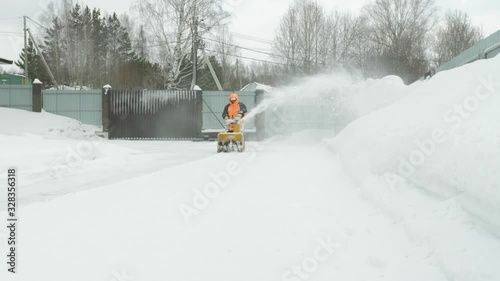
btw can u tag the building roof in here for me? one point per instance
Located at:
(12, 75)
(256, 86)
(5, 61)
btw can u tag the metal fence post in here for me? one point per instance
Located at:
(37, 96)
(199, 111)
(260, 117)
(106, 93)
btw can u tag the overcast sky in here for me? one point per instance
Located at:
(257, 18)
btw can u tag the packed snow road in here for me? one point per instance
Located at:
(48, 169)
(283, 210)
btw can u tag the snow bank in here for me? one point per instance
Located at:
(442, 137)
(14, 122)
(365, 97)
(46, 146)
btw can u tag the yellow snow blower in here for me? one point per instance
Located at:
(232, 139)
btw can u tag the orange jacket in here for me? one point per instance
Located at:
(233, 109)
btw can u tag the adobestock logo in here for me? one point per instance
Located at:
(121, 276)
(455, 116)
(75, 157)
(202, 198)
(308, 266)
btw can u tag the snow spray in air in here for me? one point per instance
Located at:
(325, 103)
(309, 104)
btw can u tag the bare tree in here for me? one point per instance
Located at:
(286, 43)
(400, 29)
(310, 39)
(227, 50)
(311, 25)
(171, 23)
(300, 40)
(457, 35)
(345, 33)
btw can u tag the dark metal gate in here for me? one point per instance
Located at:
(146, 114)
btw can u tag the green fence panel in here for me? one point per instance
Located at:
(486, 48)
(16, 96)
(82, 105)
(493, 52)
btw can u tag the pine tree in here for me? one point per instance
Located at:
(36, 69)
(87, 46)
(119, 49)
(99, 49)
(141, 44)
(84, 48)
(55, 51)
(74, 45)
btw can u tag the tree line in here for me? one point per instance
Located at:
(83, 47)
(398, 37)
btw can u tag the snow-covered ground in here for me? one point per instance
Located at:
(348, 207)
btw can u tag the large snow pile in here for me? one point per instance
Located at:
(14, 122)
(364, 97)
(443, 138)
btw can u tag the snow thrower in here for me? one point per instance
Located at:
(232, 139)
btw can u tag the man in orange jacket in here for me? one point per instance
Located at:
(235, 109)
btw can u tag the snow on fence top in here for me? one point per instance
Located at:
(146, 101)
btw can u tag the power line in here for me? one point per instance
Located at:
(7, 19)
(37, 23)
(269, 54)
(235, 34)
(243, 57)
(11, 32)
(14, 34)
(249, 49)
(163, 44)
(11, 35)
(243, 48)
(252, 38)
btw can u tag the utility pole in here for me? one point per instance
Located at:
(43, 60)
(25, 52)
(238, 72)
(214, 75)
(195, 46)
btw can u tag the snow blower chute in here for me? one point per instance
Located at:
(232, 139)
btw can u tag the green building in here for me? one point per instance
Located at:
(11, 79)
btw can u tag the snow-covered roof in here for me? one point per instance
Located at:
(256, 86)
(72, 88)
(11, 74)
(5, 61)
